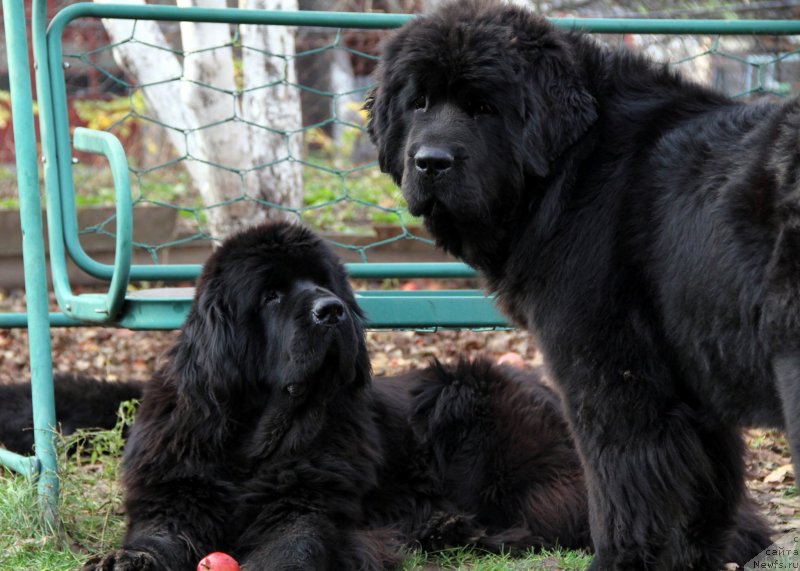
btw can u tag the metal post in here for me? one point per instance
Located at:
(44, 421)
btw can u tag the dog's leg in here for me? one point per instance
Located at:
(665, 480)
(781, 326)
(170, 528)
(313, 542)
(298, 546)
(787, 377)
(751, 536)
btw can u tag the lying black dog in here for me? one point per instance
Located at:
(265, 437)
(645, 228)
(81, 402)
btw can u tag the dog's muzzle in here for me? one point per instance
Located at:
(433, 161)
(328, 311)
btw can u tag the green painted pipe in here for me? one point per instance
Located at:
(383, 21)
(44, 418)
(28, 466)
(20, 320)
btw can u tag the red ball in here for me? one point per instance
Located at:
(218, 561)
(511, 358)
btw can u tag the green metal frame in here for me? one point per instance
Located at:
(43, 465)
(403, 310)
(385, 309)
(57, 93)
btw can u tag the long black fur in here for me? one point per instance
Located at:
(81, 402)
(644, 228)
(264, 436)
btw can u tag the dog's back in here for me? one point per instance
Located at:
(498, 452)
(81, 402)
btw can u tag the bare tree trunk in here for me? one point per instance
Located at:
(152, 68)
(209, 91)
(243, 144)
(270, 97)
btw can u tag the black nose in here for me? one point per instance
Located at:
(432, 160)
(328, 311)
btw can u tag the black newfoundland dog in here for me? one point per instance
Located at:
(81, 402)
(264, 436)
(644, 228)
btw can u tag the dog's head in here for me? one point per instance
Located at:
(273, 312)
(472, 104)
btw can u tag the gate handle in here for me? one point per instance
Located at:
(106, 144)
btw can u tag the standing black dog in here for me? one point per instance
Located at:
(646, 230)
(264, 437)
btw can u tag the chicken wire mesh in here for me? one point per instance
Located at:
(222, 158)
(322, 150)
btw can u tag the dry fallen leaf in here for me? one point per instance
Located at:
(125, 354)
(780, 474)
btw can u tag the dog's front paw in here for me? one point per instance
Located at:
(122, 560)
(448, 530)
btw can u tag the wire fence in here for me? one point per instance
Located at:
(343, 194)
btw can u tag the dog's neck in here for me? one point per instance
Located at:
(536, 217)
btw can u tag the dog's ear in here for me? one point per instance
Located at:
(559, 109)
(375, 107)
(384, 107)
(369, 107)
(204, 359)
(382, 128)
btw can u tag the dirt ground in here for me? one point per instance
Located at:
(124, 354)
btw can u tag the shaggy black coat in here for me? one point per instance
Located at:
(644, 228)
(81, 402)
(264, 436)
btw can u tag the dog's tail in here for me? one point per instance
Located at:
(81, 402)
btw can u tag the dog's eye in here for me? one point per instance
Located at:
(270, 297)
(421, 102)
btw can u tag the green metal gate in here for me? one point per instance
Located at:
(123, 307)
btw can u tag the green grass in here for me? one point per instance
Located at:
(475, 560)
(91, 518)
(90, 505)
(24, 544)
